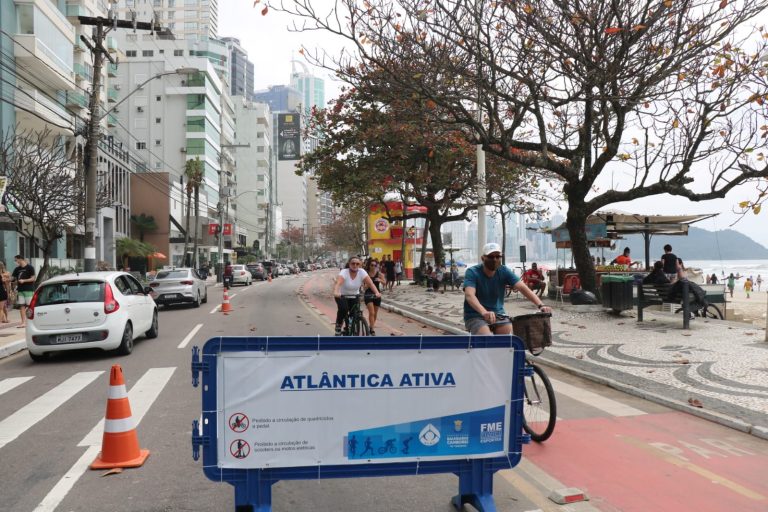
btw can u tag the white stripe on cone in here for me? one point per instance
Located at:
(119, 426)
(116, 392)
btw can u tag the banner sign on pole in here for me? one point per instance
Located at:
(288, 136)
(297, 408)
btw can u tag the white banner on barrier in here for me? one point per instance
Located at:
(289, 409)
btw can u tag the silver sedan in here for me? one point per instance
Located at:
(178, 286)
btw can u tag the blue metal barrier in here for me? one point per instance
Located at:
(253, 485)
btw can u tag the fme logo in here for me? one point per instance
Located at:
(491, 427)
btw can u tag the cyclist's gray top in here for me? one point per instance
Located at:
(488, 290)
(352, 286)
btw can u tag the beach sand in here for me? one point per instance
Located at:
(753, 309)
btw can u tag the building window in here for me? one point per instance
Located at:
(157, 98)
(260, 149)
(161, 52)
(178, 53)
(158, 142)
(158, 165)
(260, 177)
(130, 53)
(141, 145)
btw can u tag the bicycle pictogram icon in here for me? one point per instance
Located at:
(238, 422)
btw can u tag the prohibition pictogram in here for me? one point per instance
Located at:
(239, 449)
(238, 422)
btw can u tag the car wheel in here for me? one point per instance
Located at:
(38, 357)
(197, 301)
(153, 331)
(126, 346)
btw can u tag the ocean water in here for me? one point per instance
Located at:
(741, 268)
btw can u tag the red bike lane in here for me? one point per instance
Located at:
(662, 462)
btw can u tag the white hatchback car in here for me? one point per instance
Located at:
(106, 310)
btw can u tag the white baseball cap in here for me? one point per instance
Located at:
(492, 247)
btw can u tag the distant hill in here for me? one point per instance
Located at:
(700, 244)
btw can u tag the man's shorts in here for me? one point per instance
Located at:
(24, 298)
(474, 324)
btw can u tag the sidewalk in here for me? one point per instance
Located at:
(11, 338)
(724, 365)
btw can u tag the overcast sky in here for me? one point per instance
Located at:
(271, 47)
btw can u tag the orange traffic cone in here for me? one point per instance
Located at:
(225, 307)
(120, 445)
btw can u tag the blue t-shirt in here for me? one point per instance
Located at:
(488, 290)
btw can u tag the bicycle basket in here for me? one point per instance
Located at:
(535, 330)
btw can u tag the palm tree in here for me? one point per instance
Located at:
(132, 248)
(193, 170)
(143, 224)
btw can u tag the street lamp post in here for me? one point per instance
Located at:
(221, 205)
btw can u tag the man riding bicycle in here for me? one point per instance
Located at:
(484, 287)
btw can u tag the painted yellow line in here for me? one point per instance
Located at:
(530, 491)
(709, 475)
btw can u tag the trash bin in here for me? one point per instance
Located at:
(417, 276)
(621, 293)
(606, 283)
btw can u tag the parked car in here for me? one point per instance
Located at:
(283, 270)
(104, 310)
(179, 286)
(241, 275)
(257, 271)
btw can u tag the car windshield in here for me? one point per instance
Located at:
(70, 291)
(173, 274)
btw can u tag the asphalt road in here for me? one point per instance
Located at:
(627, 453)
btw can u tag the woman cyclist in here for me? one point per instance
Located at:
(348, 282)
(371, 302)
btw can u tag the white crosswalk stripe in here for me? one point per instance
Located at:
(7, 385)
(20, 421)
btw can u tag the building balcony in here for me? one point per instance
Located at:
(112, 95)
(111, 120)
(111, 69)
(76, 99)
(83, 72)
(111, 44)
(43, 62)
(35, 111)
(75, 10)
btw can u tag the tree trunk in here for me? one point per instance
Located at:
(186, 229)
(422, 264)
(576, 222)
(402, 237)
(197, 223)
(503, 235)
(437, 241)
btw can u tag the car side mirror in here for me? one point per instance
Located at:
(147, 290)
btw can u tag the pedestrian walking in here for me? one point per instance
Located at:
(389, 271)
(24, 276)
(731, 284)
(748, 286)
(5, 291)
(759, 282)
(398, 271)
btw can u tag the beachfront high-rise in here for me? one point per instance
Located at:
(187, 19)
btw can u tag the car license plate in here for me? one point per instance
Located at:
(171, 296)
(68, 338)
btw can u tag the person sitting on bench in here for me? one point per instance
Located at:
(534, 279)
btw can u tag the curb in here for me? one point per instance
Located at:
(721, 419)
(12, 348)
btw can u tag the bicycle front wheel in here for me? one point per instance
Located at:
(362, 328)
(712, 311)
(539, 407)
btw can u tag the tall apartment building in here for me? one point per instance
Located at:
(254, 177)
(310, 87)
(240, 69)
(280, 98)
(46, 78)
(171, 119)
(187, 19)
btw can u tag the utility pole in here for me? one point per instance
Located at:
(223, 194)
(289, 222)
(102, 26)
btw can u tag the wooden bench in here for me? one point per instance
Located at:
(650, 294)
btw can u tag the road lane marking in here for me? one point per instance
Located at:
(694, 468)
(189, 336)
(63, 486)
(141, 397)
(8, 384)
(34, 412)
(217, 308)
(606, 405)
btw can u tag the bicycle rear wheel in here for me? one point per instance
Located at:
(539, 406)
(712, 311)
